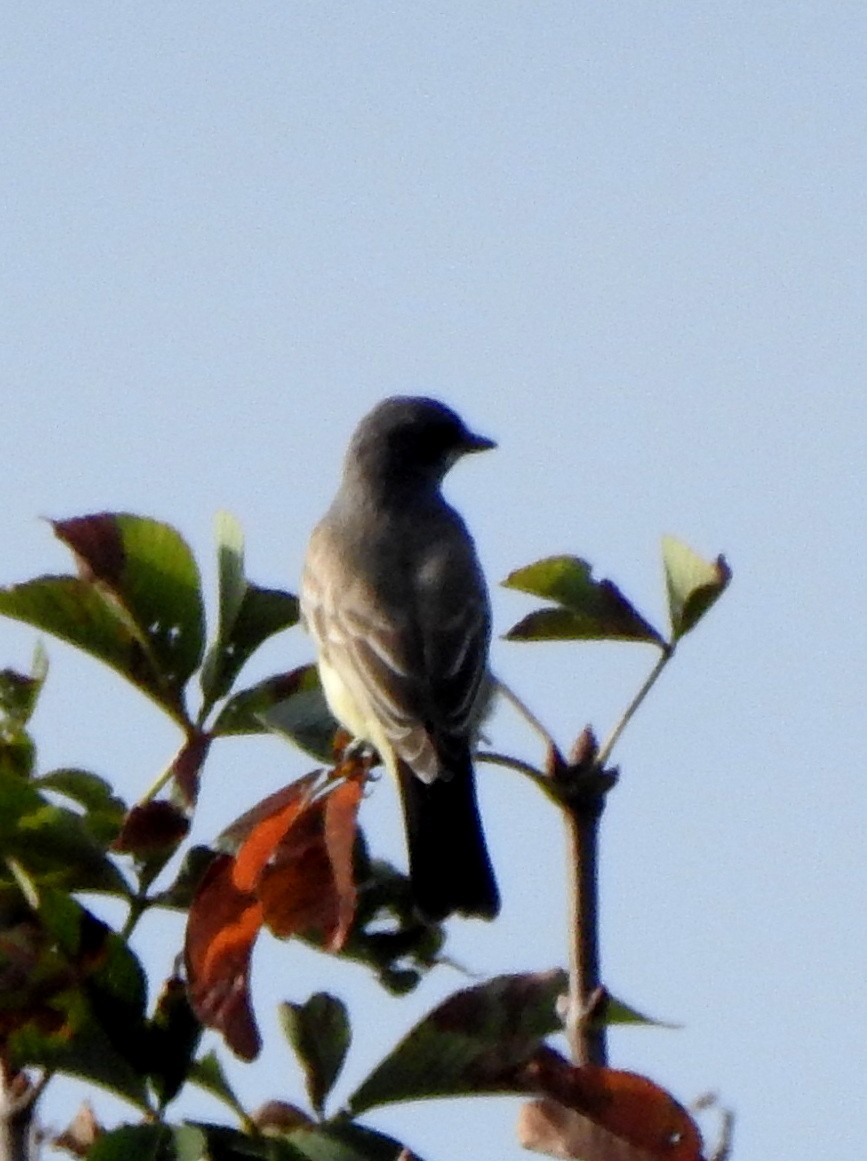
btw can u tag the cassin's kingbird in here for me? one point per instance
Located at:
(394, 598)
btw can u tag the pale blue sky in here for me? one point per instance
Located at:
(628, 242)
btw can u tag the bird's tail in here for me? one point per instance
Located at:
(449, 865)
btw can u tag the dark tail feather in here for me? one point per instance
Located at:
(448, 860)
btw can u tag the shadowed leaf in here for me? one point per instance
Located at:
(135, 606)
(18, 695)
(54, 845)
(290, 704)
(343, 1142)
(150, 1143)
(319, 1032)
(479, 1040)
(590, 610)
(473, 1042)
(152, 829)
(174, 1034)
(19, 692)
(94, 985)
(104, 811)
(151, 833)
(693, 584)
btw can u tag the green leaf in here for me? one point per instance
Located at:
(17, 753)
(190, 1142)
(147, 569)
(148, 1143)
(249, 614)
(104, 811)
(290, 704)
(617, 1012)
(136, 606)
(263, 613)
(232, 584)
(693, 584)
(343, 1141)
(73, 610)
(225, 1144)
(471, 1043)
(590, 610)
(319, 1032)
(84, 1015)
(18, 694)
(207, 1073)
(52, 844)
(232, 575)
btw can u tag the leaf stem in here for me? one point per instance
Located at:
(628, 714)
(526, 713)
(498, 759)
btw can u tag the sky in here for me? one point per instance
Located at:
(628, 243)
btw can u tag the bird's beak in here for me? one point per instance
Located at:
(477, 443)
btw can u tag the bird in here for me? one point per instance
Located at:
(395, 600)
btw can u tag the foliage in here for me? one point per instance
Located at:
(73, 995)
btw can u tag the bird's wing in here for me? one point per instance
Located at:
(372, 651)
(456, 636)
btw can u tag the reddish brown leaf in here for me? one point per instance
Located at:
(584, 749)
(151, 829)
(222, 927)
(341, 812)
(260, 846)
(280, 1117)
(293, 872)
(188, 763)
(602, 1114)
(245, 824)
(297, 887)
(299, 862)
(549, 1128)
(97, 543)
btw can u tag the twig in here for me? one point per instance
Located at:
(587, 1037)
(17, 1112)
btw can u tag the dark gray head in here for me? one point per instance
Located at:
(410, 440)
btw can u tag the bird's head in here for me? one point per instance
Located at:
(411, 439)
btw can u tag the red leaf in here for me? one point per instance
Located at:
(260, 846)
(243, 826)
(308, 885)
(601, 1114)
(222, 926)
(293, 872)
(341, 811)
